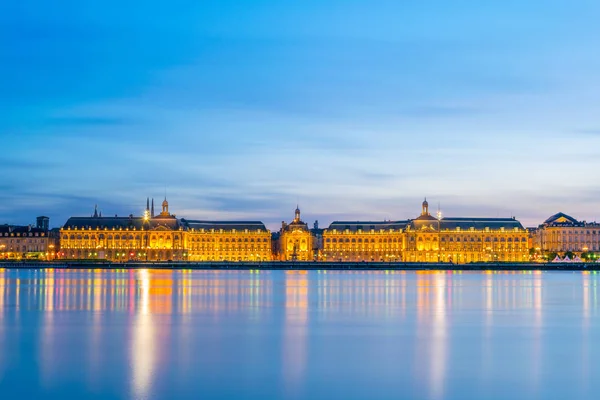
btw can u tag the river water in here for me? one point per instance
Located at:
(157, 334)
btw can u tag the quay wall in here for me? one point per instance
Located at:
(308, 265)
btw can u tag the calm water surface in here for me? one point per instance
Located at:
(73, 334)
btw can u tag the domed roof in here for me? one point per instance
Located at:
(165, 202)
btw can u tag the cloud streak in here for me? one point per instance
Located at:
(355, 110)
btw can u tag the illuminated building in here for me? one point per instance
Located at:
(227, 241)
(163, 237)
(26, 242)
(464, 240)
(562, 233)
(158, 238)
(296, 240)
(364, 241)
(426, 238)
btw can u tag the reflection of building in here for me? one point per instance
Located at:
(227, 240)
(463, 240)
(563, 233)
(26, 242)
(296, 240)
(364, 241)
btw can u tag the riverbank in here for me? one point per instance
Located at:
(298, 265)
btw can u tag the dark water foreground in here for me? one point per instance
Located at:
(163, 334)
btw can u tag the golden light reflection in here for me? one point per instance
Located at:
(47, 338)
(439, 337)
(151, 297)
(2, 290)
(143, 342)
(295, 328)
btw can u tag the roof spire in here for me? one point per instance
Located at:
(96, 211)
(297, 214)
(152, 209)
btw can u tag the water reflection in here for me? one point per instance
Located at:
(295, 328)
(278, 333)
(144, 346)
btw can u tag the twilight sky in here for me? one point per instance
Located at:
(353, 109)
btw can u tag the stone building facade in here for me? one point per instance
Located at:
(227, 241)
(562, 233)
(26, 243)
(465, 240)
(295, 240)
(364, 241)
(164, 237)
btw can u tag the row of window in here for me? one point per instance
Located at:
(239, 240)
(117, 237)
(29, 234)
(359, 240)
(469, 239)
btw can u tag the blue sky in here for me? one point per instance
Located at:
(353, 109)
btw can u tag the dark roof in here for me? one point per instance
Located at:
(225, 225)
(569, 220)
(367, 225)
(121, 222)
(480, 223)
(20, 229)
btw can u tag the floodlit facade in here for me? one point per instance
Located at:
(227, 241)
(562, 233)
(25, 243)
(164, 237)
(364, 241)
(296, 241)
(465, 240)
(147, 238)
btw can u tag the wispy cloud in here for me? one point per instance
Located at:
(356, 110)
(88, 121)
